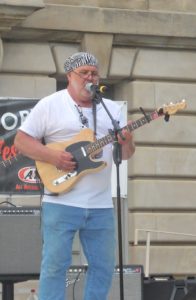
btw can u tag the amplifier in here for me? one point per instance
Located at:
(20, 248)
(169, 288)
(20, 237)
(132, 279)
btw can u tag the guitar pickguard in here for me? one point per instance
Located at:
(84, 163)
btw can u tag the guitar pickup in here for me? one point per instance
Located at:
(64, 178)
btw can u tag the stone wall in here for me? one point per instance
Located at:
(147, 55)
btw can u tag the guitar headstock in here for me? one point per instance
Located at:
(172, 108)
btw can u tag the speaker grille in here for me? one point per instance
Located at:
(20, 238)
(132, 279)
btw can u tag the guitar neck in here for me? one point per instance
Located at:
(100, 143)
(142, 121)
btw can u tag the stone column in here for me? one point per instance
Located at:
(101, 46)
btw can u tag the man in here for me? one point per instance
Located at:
(87, 207)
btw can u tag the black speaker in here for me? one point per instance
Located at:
(20, 240)
(191, 286)
(169, 288)
(132, 279)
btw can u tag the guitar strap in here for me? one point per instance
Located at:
(100, 152)
(95, 119)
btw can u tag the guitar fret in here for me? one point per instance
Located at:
(92, 147)
(102, 143)
(129, 127)
(138, 123)
(144, 121)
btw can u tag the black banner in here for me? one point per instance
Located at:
(17, 173)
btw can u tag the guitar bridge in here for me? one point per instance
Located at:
(64, 178)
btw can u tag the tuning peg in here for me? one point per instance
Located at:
(183, 103)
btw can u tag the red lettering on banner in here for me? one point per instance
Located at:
(13, 151)
(18, 187)
(27, 187)
(7, 152)
(31, 187)
(2, 142)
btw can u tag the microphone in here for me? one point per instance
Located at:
(94, 88)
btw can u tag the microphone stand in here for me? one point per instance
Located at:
(117, 157)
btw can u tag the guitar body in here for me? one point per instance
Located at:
(57, 181)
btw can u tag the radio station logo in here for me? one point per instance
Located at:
(28, 175)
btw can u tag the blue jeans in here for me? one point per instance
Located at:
(97, 236)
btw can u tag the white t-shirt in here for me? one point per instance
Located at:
(57, 119)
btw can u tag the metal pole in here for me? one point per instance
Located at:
(147, 265)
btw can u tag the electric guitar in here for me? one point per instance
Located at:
(83, 147)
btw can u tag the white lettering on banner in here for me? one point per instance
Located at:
(11, 118)
(23, 114)
(10, 121)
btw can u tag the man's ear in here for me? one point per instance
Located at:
(67, 76)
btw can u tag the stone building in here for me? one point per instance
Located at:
(147, 53)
